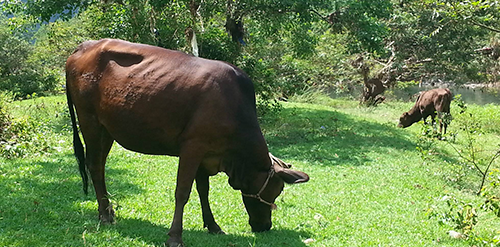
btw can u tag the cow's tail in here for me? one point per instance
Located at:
(77, 145)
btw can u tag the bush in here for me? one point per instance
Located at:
(27, 134)
(214, 43)
(29, 81)
(4, 114)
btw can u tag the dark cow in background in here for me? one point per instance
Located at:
(373, 87)
(157, 101)
(428, 103)
(372, 90)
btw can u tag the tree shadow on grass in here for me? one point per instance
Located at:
(331, 137)
(42, 201)
(43, 204)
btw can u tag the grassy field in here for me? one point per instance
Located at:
(369, 185)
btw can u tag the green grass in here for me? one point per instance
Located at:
(369, 186)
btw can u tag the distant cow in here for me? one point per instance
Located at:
(373, 86)
(428, 103)
(372, 90)
(157, 101)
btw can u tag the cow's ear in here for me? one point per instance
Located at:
(292, 176)
(276, 161)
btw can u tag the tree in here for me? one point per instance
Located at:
(19, 73)
(278, 42)
(436, 39)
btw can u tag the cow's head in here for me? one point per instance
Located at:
(263, 191)
(405, 120)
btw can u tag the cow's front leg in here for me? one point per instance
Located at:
(442, 122)
(202, 186)
(433, 119)
(186, 173)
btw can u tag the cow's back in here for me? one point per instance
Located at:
(434, 100)
(151, 100)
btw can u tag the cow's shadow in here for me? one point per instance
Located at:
(156, 235)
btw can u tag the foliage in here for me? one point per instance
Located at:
(130, 22)
(264, 81)
(56, 41)
(26, 135)
(471, 156)
(464, 217)
(286, 47)
(460, 215)
(20, 72)
(216, 44)
(288, 26)
(436, 39)
(364, 22)
(45, 10)
(491, 192)
(426, 141)
(5, 120)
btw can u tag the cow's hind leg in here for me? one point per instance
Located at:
(202, 186)
(443, 121)
(98, 144)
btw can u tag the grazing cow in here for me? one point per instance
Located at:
(428, 103)
(157, 101)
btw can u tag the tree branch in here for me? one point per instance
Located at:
(473, 21)
(484, 26)
(322, 17)
(487, 169)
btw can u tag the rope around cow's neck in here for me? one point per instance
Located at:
(257, 196)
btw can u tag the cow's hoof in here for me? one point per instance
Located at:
(218, 232)
(107, 218)
(215, 229)
(174, 243)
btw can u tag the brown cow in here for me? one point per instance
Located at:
(428, 103)
(157, 101)
(372, 90)
(373, 86)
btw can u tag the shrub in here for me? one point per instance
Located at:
(4, 114)
(27, 134)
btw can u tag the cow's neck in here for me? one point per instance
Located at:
(415, 114)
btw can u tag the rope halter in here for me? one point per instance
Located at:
(257, 196)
